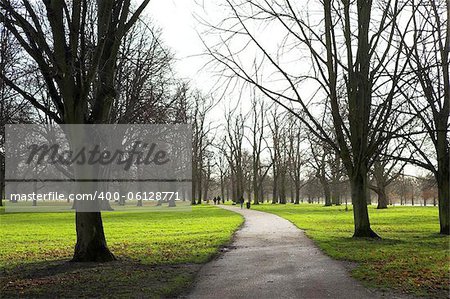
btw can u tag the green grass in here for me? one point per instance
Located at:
(157, 251)
(411, 257)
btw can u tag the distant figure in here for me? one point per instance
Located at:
(241, 200)
(215, 200)
(220, 199)
(248, 204)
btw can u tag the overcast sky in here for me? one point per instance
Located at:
(180, 31)
(179, 27)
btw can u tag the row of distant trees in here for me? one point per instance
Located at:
(406, 190)
(286, 164)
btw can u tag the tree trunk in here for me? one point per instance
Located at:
(292, 193)
(200, 190)
(297, 194)
(91, 243)
(194, 190)
(382, 198)
(274, 191)
(359, 202)
(282, 188)
(122, 192)
(256, 192)
(369, 197)
(105, 205)
(443, 201)
(222, 187)
(172, 202)
(205, 191)
(35, 191)
(326, 193)
(2, 179)
(336, 197)
(234, 197)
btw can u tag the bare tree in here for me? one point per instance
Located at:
(429, 64)
(319, 161)
(337, 172)
(386, 170)
(144, 82)
(222, 167)
(57, 40)
(257, 141)
(233, 140)
(275, 155)
(200, 143)
(295, 136)
(384, 174)
(349, 44)
(428, 188)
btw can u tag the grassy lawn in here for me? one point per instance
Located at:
(411, 257)
(159, 252)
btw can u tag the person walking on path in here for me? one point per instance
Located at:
(241, 200)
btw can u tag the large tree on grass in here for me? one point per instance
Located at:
(75, 45)
(430, 82)
(342, 48)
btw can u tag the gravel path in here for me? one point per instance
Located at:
(271, 258)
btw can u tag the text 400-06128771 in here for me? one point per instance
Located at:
(167, 195)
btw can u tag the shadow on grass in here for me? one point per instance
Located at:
(122, 278)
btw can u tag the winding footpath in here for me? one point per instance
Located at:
(271, 258)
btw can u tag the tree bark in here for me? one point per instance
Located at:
(443, 179)
(383, 200)
(326, 193)
(91, 242)
(172, 202)
(282, 188)
(297, 194)
(275, 190)
(336, 197)
(256, 193)
(359, 188)
(222, 186)
(2, 179)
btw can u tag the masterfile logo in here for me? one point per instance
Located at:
(85, 165)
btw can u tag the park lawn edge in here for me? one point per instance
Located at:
(212, 257)
(177, 278)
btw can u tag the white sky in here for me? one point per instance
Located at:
(179, 26)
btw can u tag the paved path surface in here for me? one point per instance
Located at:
(271, 258)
